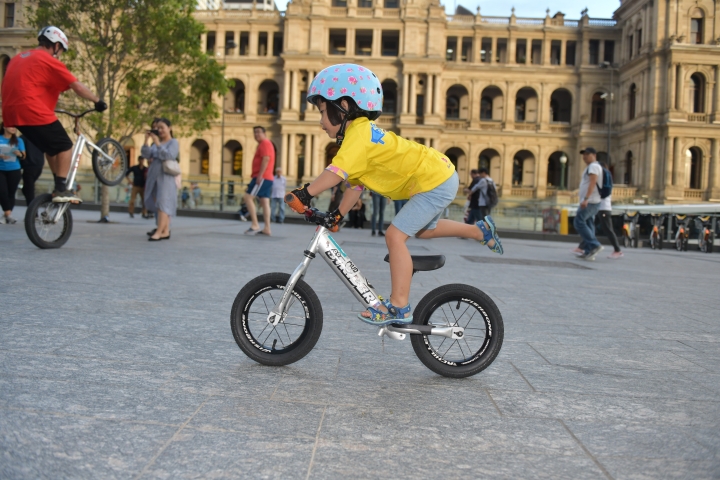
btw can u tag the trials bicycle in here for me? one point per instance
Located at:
(682, 236)
(276, 319)
(48, 224)
(631, 229)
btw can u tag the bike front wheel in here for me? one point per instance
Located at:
(293, 337)
(109, 171)
(460, 306)
(41, 225)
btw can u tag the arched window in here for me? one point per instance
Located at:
(694, 155)
(631, 101)
(269, 98)
(520, 110)
(200, 157)
(598, 108)
(560, 106)
(697, 93)
(696, 27)
(452, 107)
(486, 108)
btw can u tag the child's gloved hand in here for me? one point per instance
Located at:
(299, 199)
(333, 219)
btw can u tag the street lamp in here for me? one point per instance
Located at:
(563, 161)
(609, 98)
(228, 46)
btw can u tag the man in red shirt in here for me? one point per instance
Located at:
(32, 85)
(260, 186)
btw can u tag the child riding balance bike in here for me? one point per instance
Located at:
(350, 98)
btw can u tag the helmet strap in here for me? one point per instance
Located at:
(341, 133)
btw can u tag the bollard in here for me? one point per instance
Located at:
(563, 221)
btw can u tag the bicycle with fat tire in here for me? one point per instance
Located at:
(276, 319)
(48, 224)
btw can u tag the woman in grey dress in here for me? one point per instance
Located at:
(160, 188)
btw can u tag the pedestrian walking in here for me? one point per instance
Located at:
(12, 150)
(139, 173)
(589, 196)
(260, 186)
(278, 196)
(357, 214)
(480, 203)
(160, 187)
(378, 210)
(32, 167)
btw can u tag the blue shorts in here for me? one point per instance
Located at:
(261, 191)
(423, 210)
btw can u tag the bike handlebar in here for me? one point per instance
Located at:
(313, 215)
(75, 115)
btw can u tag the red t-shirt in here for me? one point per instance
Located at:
(33, 82)
(265, 149)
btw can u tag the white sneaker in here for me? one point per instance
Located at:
(9, 220)
(2, 219)
(616, 255)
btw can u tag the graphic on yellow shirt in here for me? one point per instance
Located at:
(388, 164)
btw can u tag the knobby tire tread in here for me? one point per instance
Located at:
(30, 225)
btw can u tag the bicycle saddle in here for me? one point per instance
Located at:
(424, 263)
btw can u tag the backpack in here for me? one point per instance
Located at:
(607, 184)
(491, 194)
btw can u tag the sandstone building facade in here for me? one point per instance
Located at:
(513, 94)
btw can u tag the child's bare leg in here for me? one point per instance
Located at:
(400, 268)
(451, 228)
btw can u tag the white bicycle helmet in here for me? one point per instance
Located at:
(55, 35)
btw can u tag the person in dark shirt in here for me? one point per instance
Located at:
(473, 196)
(32, 166)
(139, 172)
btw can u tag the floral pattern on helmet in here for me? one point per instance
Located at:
(344, 80)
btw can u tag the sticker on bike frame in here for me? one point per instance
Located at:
(348, 270)
(337, 245)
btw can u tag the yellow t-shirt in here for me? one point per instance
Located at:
(387, 164)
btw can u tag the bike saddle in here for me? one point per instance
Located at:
(424, 263)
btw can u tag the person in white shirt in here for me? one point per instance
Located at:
(589, 195)
(605, 213)
(277, 203)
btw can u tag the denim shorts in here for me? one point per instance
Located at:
(423, 210)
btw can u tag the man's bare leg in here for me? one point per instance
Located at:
(250, 204)
(60, 163)
(267, 214)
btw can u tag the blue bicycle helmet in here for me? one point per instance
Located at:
(350, 81)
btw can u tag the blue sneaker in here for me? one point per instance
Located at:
(393, 315)
(490, 234)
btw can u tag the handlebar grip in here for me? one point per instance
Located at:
(295, 203)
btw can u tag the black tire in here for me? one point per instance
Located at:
(636, 237)
(110, 173)
(462, 302)
(685, 244)
(257, 338)
(40, 230)
(702, 244)
(653, 241)
(679, 244)
(660, 239)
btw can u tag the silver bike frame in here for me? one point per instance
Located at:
(324, 244)
(74, 164)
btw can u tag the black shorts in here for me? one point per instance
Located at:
(51, 139)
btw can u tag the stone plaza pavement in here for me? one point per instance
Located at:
(117, 361)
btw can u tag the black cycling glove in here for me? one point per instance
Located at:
(100, 106)
(299, 199)
(333, 219)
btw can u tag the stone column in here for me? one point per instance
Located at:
(307, 170)
(458, 49)
(428, 94)
(678, 165)
(716, 99)
(318, 156)
(405, 89)
(680, 93)
(294, 94)
(271, 40)
(413, 94)
(286, 91)
(350, 41)
(672, 70)
(283, 152)
(292, 163)
(668, 161)
(563, 52)
(493, 53)
(714, 176)
(436, 94)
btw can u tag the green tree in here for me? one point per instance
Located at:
(143, 57)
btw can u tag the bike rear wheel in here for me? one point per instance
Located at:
(110, 171)
(293, 337)
(463, 306)
(39, 224)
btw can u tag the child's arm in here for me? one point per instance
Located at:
(299, 199)
(349, 200)
(327, 179)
